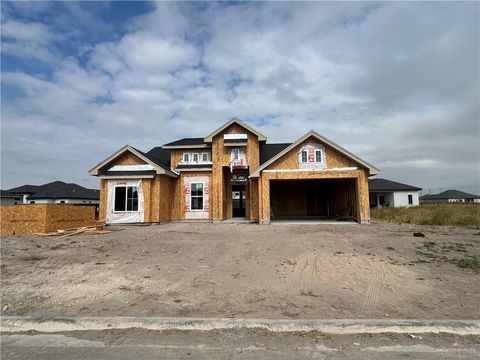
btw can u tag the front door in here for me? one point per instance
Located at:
(238, 200)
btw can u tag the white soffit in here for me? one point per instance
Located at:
(143, 167)
(235, 136)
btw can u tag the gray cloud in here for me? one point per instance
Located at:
(396, 83)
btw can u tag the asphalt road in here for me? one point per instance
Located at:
(140, 345)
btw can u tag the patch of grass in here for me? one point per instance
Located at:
(428, 253)
(472, 262)
(431, 214)
(390, 248)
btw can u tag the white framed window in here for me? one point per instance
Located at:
(236, 153)
(304, 156)
(318, 156)
(205, 157)
(186, 157)
(196, 196)
(125, 199)
(196, 157)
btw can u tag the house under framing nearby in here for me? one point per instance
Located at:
(234, 172)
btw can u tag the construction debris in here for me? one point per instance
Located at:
(87, 230)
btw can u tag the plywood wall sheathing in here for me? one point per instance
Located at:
(221, 189)
(333, 158)
(41, 218)
(362, 206)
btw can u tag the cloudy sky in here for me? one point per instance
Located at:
(395, 83)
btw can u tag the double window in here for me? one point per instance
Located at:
(317, 159)
(196, 196)
(126, 198)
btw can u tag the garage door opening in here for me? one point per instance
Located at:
(330, 199)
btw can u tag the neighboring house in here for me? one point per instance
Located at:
(450, 196)
(234, 172)
(56, 192)
(387, 193)
(7, 198)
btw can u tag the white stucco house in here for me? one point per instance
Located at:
(450, 196)
(387, 193)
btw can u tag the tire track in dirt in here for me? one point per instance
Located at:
(308, 273)
(373, 290)
(400, 292)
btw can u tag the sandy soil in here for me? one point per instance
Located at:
(240, 270)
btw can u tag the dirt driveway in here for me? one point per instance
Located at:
(240, 270)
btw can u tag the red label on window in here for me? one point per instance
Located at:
(311, 156)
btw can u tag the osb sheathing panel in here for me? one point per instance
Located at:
(253, 198)
(147, 200)
(40, 218)
(22, 219)
(178, 197)
(334, 159)
(61, 216)
(127, 158)
(166, 197)
(103, 199)
(221, 197)
(360, 176)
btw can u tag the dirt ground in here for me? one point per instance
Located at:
(245, 270)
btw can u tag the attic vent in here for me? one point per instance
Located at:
(235, 139)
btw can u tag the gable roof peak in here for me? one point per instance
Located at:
(372, 169)
(236, 120)
(156, 160)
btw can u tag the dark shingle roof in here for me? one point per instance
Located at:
(194, 166)
(387, 185)
(61, 190)
(6, 194)
(159, 156)
(268, 151)
(449, 194)
(25, 189)
(186, 142)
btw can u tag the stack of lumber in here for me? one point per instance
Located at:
(87, 230)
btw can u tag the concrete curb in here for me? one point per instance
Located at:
(10, 324)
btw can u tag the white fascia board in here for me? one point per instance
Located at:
(145, 167)
(235, 136)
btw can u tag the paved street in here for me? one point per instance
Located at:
(139, 344)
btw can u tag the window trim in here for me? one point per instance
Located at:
(321, 156)
(126, 199)
(197, 196)
(208, 157)
(306, 156)
(198, 157)
(186, 157)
